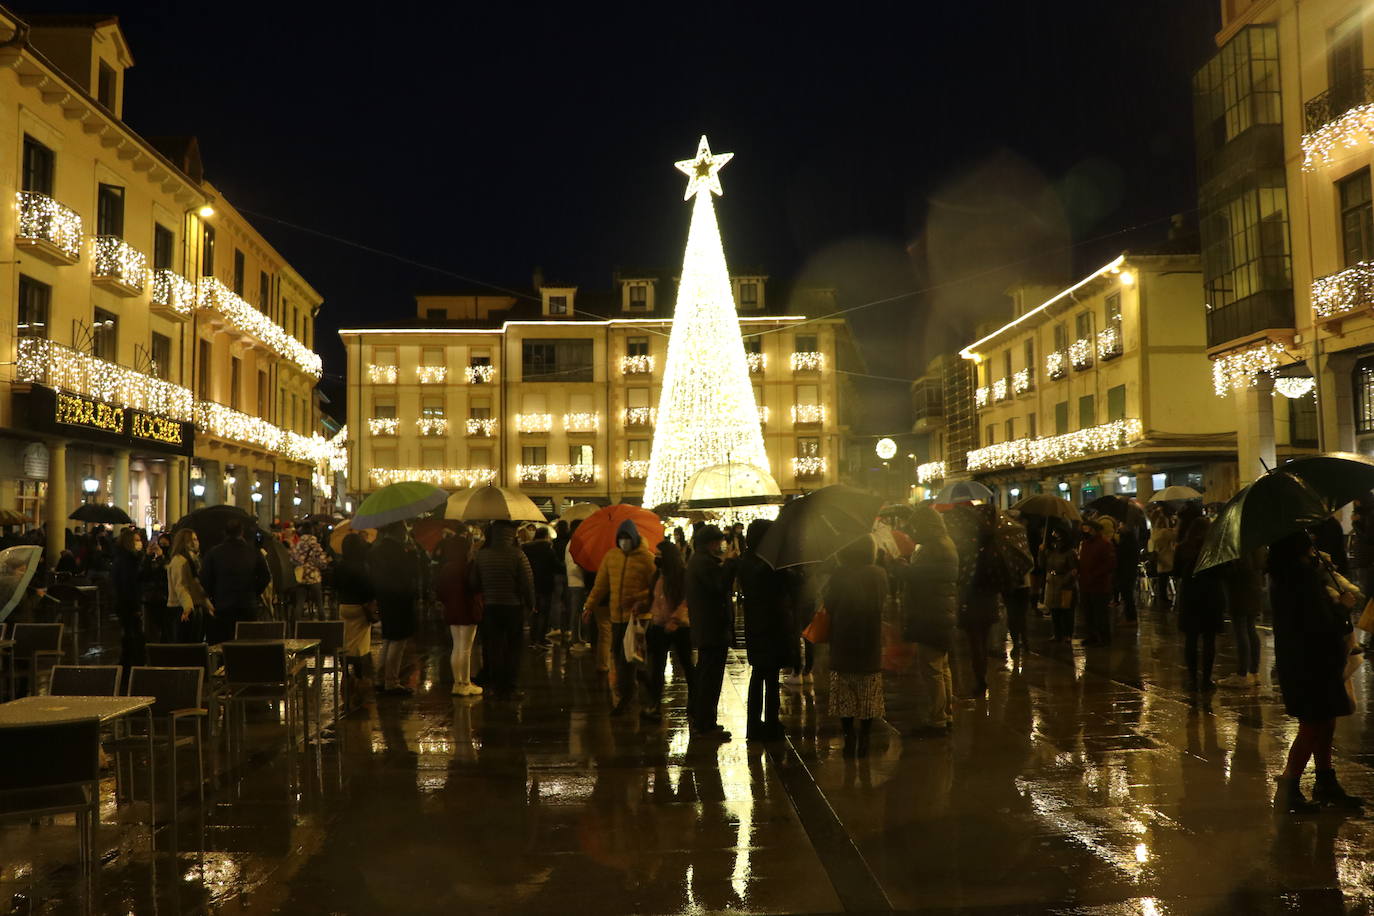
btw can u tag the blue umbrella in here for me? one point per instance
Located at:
(964, 491)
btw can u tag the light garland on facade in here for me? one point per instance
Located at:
(226, 423)
(1294, 387)
(1021, 381)
(174, 293)
(1081, 353)
(383, 426)
(533, 422)
(432, 426)
(576, 474)
(485, 427)
(45, 220)
(1056, 365)
(431, 375)
(1056, 449)
(381, 375)
(764, 414)
(481, 374)
(42, 362)
(640, 416)
(642, 364)
(1109, 344)
(809, 466)
(1353, 129)
(757, 362)
(930, 472)
(1237, 369)
(807, 361)
(217, 297)
(115, 259)
(636, 469)
(581, 422)
(982, 396)
(1344, 291)
(439, 477)
(808, 413)
(999, 389)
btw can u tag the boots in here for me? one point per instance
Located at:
(1288, 798)
(865, 726)
(1328, 792)
(361, 689)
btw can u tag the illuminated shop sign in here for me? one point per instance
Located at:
(63, 413)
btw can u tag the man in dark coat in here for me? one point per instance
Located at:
(544, 568)
(709, 584)
(930, 599)
(394, 570)
(501, 573)
(1127, 568)
(234, 575)
(767, 633)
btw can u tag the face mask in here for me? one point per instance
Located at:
(626, 544)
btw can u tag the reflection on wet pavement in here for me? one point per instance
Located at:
(1087, 783)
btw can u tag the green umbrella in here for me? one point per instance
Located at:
(817, 526)
(1288, 499)
(398, 502)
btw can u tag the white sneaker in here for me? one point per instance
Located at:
(472, 690)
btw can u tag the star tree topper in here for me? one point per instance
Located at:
(701, 171)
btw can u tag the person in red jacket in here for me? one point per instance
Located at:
(1096, 578)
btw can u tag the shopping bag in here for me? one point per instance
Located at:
(818, 630)
(634, 643)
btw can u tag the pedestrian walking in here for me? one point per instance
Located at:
(156, 614)
(394, 570)
(357, 609)
(1096, 578)
(462, 611)
(767, 631)
(1127, 569)
(128, 573)
(1201, 606)
(978, 593)
(310, 562)
(575, 595)
(1312, 644)
(710, 580)
(1061, 584)
(669, 630)
(803, 596)
(558, 607)
(1163, 543)
(623, 582)
(544, 568)
(235, 575)
(187, 601)
(501, 573)
(854, 599)
(930, 599)
(1243, 580)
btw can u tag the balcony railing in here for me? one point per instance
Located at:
(173, 295)
(1056, 364)
(636, 469)
(1001, 390)
(556, 474)
(1055, 449)
(808, 414)
(1345, 291)
(383, 426)
(982, 396)
(764, 414)
(808, 467)
(1023, 381)
(1109, 342)
(757, 362)
(930, 472)
(808, 361)
(243, 317)
(431, 375)
(119, 265)
(533, 422)
(227, 423)
(42, 362)
(1081, 353)
(48, 228)
(382, 375)
(481, 427)
(1340, 117)
(581, 422)
(432, 426)
(480, 374)
(440, 477)
(640, 417)
(641, 364)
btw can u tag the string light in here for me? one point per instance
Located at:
(173, 293)
(431, 375)
(636, 469)
(809, 466)
(485, 427)
(764, 414)
(1237, 369)
(383, 426)
(1353, 129)
(533, 422)
(481, 374)
(576, 474)
(1294, 386)
(808, 413)
(1109, 342)
(1344, 291)
(432, 426)
(1081, 353)
(1054, 449)
(1021, 381)
(999, 389)
(1055, 364)
(226, 423)
(42, 362)
(43, 219)
(381, 375)
(439, 477)
(640, 416)
(757, 362)
(807, 361)
(982, 396)
(217, 297)
(706, 414)
(115, 259)
(930, 472)
(581, 422)
(641, 364)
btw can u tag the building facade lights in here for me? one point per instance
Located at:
(533, 422)
(480, 374)
(1109, 343)
(439, 477)
(41, 361)
(432, 426)
(640, 417)
(481, 427)
(1000, 389)
(1081, 353)
(381, 375)
(807, 361)
(431, 375)
(930, 472)
(1351, 130)
(383, 426)
(641, 364)
(1344, 291)
(1238, 369)
(173, 294)
(217, 297)
(1055, 449)
(757, 362)
(581, 422)
(42, 219)
(808, 413)
(117, 260)
(1056, 364)
(809, 466)
(1022, 381)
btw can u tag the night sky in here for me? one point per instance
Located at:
(894, 150)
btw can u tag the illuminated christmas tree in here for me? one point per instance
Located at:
(706, 413)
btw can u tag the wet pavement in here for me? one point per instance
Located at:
(1085, 783)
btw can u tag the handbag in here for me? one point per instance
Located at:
(818, 630)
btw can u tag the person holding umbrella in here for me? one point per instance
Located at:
(710, 580)
(854, 599)
(1201, 605)
(393, 567)
(929, 601)
(767, 629)
(1096, 578)
(501, 573)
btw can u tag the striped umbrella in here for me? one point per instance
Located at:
(398, 502)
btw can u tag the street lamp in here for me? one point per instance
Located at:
(295, 500)
(198, 490)
(256, 497)
(205, 211)
(1063, 486)
(90, 485)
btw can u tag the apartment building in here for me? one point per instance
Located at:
(556, 391)
(131, 356)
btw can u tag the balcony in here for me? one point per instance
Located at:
(640, 417)
(757, 362)
(1109, 343)
(1056, 365)
(480, 374)
(1023, 382)
(431, 375)
(636, 469)
(533, 423)
(440, 477)
(641, 364)
(383, 426)
(930, 472)
(1082, 443)
(1342, 117)
(556, 474)
(1081, 354)
(118, 266)
(382, 375)
(1001, 390)
(809, 467)
(42, 362)
(246, 319)
(764, 414)
(174, 296)
(1346, 291)
(982, 396)
(47, 229)
(581, 423)
(227, 423)
(432, 426)
(808, 361)
(481, 427)
(808, 414)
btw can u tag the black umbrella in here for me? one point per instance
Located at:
(100, 514)
(1288, 499)
(817, 526)
(208, 524)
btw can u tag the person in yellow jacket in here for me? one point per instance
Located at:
(625, 575)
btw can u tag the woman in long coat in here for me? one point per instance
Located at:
(930, 599)
(462, 611)
(854, 600)
(1201, 606)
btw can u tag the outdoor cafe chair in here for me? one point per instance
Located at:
(256, 672)
(192, 655)
(260, 629)
(330, 633)
(176, 704)
(84, 681)
(33, 643)
(50, 769)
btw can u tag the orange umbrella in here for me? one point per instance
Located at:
(595, 537)
(344, 529)
(428, 532)
(905, 545)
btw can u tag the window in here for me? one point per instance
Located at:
(1345, 67)
(263, 393)
(1113, 311)
(1028, 354)
(808, 395)
(291, 328)
(160, 349)
(109, 210)
(1006, 365)
(534, 454)
(637, 346)
(432, 458)
(1031, 432)
(639, 297)
(1302, 421)
(990, 435)
(384, 356)
(384, 457)
(1083, 325)
(557, 360)
(480, 457)
(480, 408)
(432, 356)
(1116, 403)
(164, 247)
(1009, 430)
(806, 343)
(207, 251)
(34, 301)
(436, 314)
(637, 449)
(808, 446)
(239, 272)
(636, 397)
(1061, 418)
(432, 408)
(384, 408)
(203, 368)
(1061, 336)
(580, 456)
(235, 382)
(1246, 259)
(1364, 395)
(264, 292)
(1357, 218)
(749, 295)
(1087, 412)
(105, 83)
(38, 166)
(105, 335)
(753, 344)
(558, 305)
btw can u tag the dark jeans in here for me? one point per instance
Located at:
(539, 619)
(1247, 643)
(710, 673)
(502, 635)
(803, 656)
(1061, 619)
(132, 641)
(660, 642)
(763, 697)
(1209, 655)
(624, 668)
(1099, 614)
(1127, 587)
(1017, 602)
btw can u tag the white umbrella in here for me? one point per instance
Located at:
(489, 503)
(728, 485)
(1175, 494)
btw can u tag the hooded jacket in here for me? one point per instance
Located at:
(930, 592)
(626, 577)
(501, 572)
